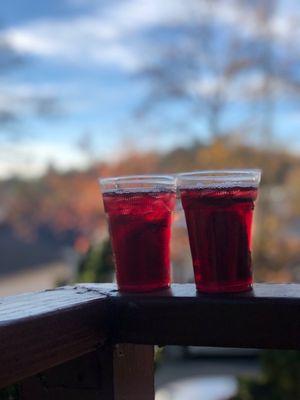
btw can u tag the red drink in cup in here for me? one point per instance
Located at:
(139, 211)
(219, 207)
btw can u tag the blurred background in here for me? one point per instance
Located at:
(111, 87)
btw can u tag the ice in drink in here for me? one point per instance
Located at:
(219, 222)
(140, 231)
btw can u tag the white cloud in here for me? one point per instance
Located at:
(102, 38)
(134, 15)
(81, 40)
(31, 158)
(109, 36)
(105, 37)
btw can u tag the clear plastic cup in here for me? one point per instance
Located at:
(219, 207)
(139, 210)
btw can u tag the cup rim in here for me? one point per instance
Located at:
(220, 178)
(154, 181)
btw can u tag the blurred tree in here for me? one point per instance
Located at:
(66, 202)
(87, 146)
(196, 70)
(68, 205)
(225, 72)
(279, 380)
(97, 265)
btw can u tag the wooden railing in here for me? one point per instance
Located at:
(90, 342)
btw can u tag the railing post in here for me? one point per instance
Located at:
(120, 372)
(133, 372)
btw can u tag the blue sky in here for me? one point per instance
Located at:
(86, 54)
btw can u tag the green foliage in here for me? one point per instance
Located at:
(158, 356)
(97, 265)
(280, 378)
(10, 393)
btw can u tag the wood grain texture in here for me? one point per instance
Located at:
(89, 377)
(41, 330)
(119, 372)
(267, 317)
(133, 372)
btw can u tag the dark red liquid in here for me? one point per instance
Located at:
(219, 222)
(140, 229)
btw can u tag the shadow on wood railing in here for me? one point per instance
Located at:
(90, 342)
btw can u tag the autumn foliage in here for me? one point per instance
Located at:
(69, 206)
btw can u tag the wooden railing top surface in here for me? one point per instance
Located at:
(32, 305)
(40, 330)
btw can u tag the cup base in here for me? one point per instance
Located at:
(142, 288)
(228, 288)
